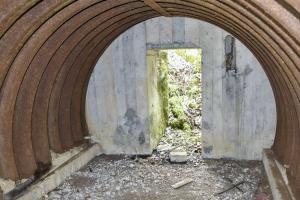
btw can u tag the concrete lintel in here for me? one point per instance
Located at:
(56, 177)
(279, 187)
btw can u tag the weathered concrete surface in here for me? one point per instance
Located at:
(117, 99)
(158, 115)
(277, 178)
(59, 174)
(238, 109)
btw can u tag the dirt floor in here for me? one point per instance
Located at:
(132, 178)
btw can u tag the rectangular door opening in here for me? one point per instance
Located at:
(176, 94)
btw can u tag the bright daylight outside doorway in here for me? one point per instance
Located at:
(179, 72)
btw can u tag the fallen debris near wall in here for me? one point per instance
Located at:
(182, 183)
(130, 178)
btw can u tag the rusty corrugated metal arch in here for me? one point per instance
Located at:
(48, 50)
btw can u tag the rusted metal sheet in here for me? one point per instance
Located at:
(13, 10)
(155, 6)
(49, 48)
(12, 41)
(27, 89)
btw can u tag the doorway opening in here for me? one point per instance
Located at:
(179, 77)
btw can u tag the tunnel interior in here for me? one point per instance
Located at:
(49, 49)
(132, 75)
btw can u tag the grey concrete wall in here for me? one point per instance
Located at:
(116, 106)
(239, 114)
(157, 122)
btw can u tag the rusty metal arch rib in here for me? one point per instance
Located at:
(48, 50)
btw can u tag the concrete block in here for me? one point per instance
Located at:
(163, 147)
(178, 156)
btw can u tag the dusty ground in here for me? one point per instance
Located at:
(124, 178)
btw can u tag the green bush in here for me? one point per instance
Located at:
(194, 91)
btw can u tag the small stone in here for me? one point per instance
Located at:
(113, 173)
(88, 197)
(262, 196)
(178, 156)
(163, 147)
(246, 170)
(131, 165)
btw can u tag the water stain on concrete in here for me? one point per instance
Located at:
(130, 127)
(205, 125)
(208, 150)
(142, 138)
(247, 70)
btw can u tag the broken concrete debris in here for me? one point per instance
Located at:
(121, 177)
(182, 183)
(163, 147)
(178, 156)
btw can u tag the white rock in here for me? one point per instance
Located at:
(178, 156)
(131, 165)
(163, 147)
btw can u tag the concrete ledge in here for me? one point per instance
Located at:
(279, 185)
(50, 181)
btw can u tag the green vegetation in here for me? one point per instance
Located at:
(184, 89)
(179, 118)
(159, 99)
(163, 83)
(180, 88)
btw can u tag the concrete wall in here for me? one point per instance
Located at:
(157, 114)
(117, 108)
(239, 115)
